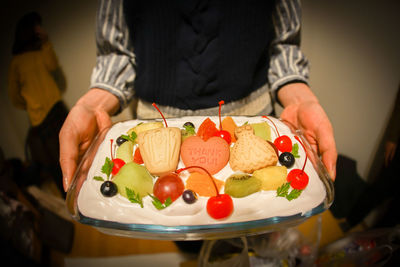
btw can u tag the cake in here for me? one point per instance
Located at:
(248, 171)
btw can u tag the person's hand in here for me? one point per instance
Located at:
(390, 150)
(90, 115)
(302, 109)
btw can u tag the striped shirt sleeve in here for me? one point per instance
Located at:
(114, 70)
(287, 62)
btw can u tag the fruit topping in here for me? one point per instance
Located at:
(108, 189)
(271, 177)
(287, 159)
(125, 152)
(159, 111)
(169, 185)
(188, 130)
(202, 185)
(282, 142)
(241, 185)
(134, 177)
(228, 124)
(189, 196)
(219, 206)
(137, 157)
(118, 163)
(120, 140)
(262, 130)
(207, 129)
(189, 124)
(222, 133)
(297, 178)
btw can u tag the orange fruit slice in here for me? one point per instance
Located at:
(202, 184)
(229, 125)
(207, 129)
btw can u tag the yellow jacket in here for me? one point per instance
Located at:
(30, 83)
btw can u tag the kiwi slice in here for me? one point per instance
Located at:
(241, 185)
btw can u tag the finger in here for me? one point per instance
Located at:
(69, 152)
(327, 149)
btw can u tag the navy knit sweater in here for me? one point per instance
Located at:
(190, 54)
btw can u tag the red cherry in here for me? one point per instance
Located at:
(221, 133)
(220, 206)
(169, 185)
(118, 163)
(224, 135)
(283, 143)
(298, 179)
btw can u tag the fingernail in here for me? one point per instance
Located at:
(65, 183)
(332, 172)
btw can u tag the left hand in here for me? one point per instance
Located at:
(302, 109)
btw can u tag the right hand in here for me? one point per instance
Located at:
(90, 115)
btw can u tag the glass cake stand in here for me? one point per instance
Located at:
(194, 232)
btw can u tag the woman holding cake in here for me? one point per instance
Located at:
(186, 56)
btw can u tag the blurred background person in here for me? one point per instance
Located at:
(35, 84)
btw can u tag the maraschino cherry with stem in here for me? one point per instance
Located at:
(222, 133)
(165, 121)
(297, 178)
(282, 142)
(219, 206)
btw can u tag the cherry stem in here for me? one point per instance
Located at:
(111, 148)
(301, 143)
(178, 171)
(219, 113)
(154, 105)
(276, 129)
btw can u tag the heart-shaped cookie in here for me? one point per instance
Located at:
(212, 154)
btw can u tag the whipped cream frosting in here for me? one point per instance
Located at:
(260, 205)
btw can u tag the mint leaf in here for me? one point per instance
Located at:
(189, 129)
(283, 190)
(107, 167)
(295, 193)
(132, 197)
(98, 178)
(295, 150)
(158, 204)
(130, 137)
